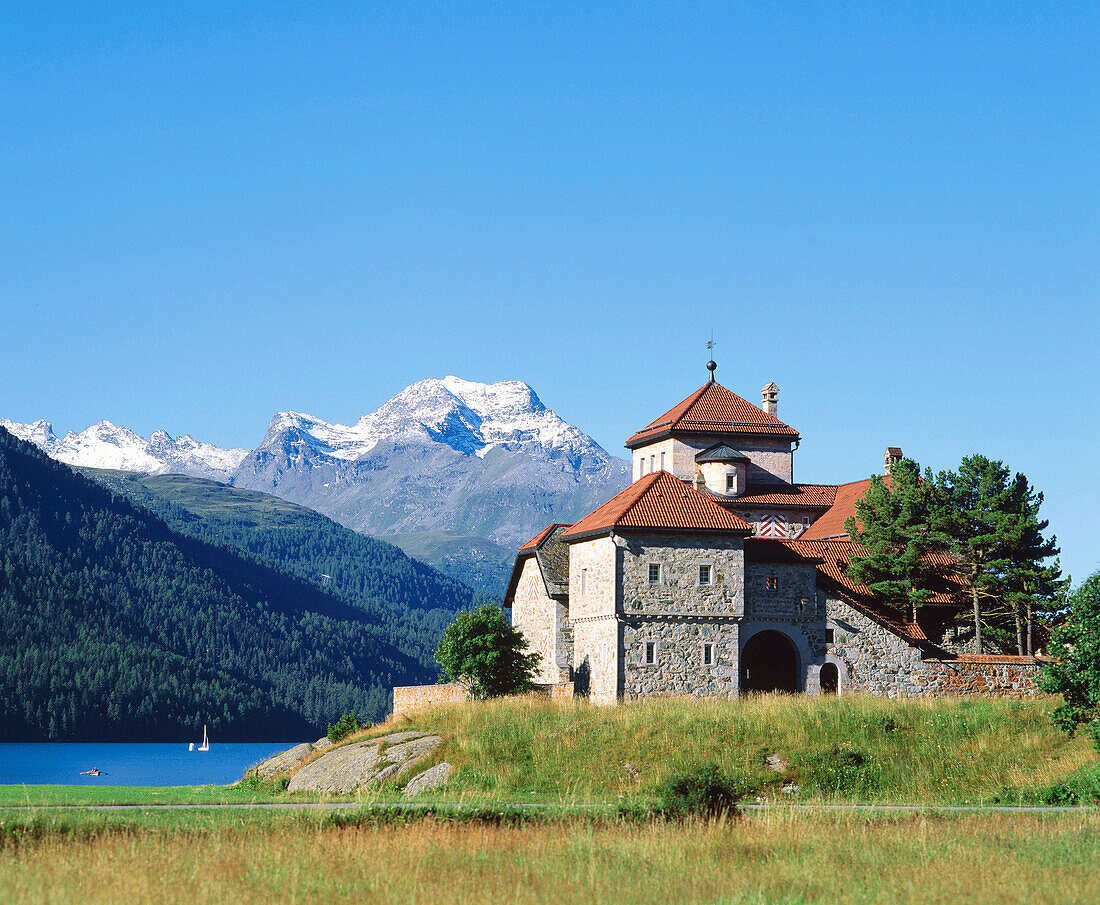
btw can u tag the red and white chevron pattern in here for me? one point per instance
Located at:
(772, 525)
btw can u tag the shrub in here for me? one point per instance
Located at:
(839, 769)
(345, 726)
(701, 791)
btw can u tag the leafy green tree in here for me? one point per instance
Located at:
(482, 651)
(995, 535)
(1074, 673)
(898, 526)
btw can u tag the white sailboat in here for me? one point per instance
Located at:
(205, 746)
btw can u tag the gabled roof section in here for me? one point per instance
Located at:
(552, 557)
(720, 452)
(712, 409)
(659, 502)
(831, 522)
(785, 496)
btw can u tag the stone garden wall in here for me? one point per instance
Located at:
(410, 698)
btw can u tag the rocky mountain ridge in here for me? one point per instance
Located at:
(450, 456)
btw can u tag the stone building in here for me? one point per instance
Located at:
(714, 573)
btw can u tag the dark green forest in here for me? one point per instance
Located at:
(119, 628)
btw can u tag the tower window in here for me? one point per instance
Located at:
(705, 574)
(731, 483)
(654, 573)
(652, 464)
(650, 653)
(662, 461)
(708, 654)
(771, 583)
(584, 580)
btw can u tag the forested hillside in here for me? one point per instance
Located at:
(117, 627)
(363, 570)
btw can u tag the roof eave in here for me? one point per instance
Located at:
(641, 438)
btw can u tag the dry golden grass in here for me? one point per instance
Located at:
(771, 858)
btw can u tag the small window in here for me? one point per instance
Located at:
(584, 580)
(650, 653)
(662, 461)
(830, 636)
(652, 464)
(771, 583)
(731, 483)
(708, 654)
(704, 574)
(654, 573)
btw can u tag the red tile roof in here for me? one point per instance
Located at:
(658, 501)
(806, 496)
(831, 522)
(712, 409)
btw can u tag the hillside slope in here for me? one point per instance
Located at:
(119, 628)
(361, 569)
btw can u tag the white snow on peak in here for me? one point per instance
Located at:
(106, 445)
(471, 417)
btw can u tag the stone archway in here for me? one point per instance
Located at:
(830, 679)
(769, 662)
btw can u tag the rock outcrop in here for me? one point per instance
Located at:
(345, 768)
(285, 760)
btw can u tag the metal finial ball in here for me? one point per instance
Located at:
(711, 365)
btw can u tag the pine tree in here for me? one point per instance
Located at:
(898, 527)
(996, 539)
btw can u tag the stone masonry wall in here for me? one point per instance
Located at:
(874, 660)
(1009, 677)
(410, 698)
(596, 644)
(793, 585)
(678, 590)
(541, 618)
(679, 668)
(592, 572)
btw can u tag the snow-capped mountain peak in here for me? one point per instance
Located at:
(472, 418)
(107, 445)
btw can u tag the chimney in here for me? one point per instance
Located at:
(893, 456)
(770, 399)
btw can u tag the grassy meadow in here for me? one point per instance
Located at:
(771, 857)
(865, 749)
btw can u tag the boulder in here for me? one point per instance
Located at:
(429, 779)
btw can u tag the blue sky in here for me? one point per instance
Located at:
(209, 215)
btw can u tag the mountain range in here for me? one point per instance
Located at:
(442, 467)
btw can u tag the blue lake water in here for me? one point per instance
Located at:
(129, 764)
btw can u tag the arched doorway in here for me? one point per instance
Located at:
(830, 679)
(769, 662)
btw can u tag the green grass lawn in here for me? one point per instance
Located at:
(835, 749)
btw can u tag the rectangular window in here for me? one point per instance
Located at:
(704, 574)
(731, 481)
(584, 580)
(662, 461)
(708, 654)
(830, 636)
(650, 653)
(654, 573)
(652, 464)
(771, 583)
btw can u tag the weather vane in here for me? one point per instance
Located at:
(712, 364)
